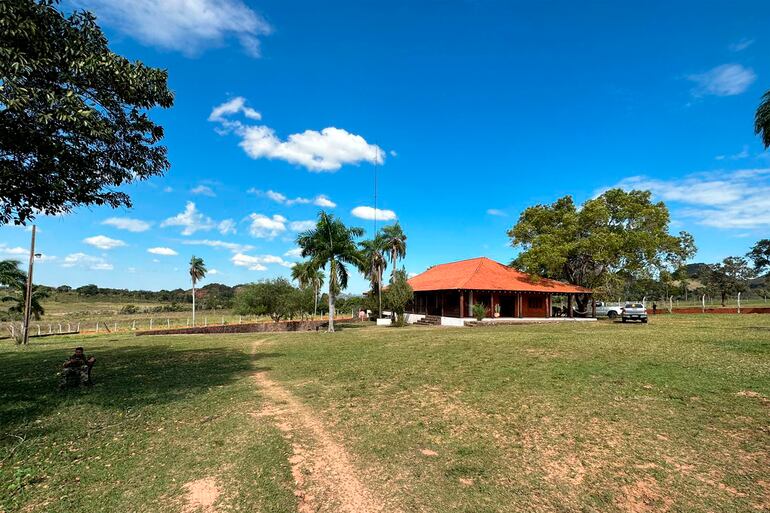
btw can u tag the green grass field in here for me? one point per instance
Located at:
(669, 416)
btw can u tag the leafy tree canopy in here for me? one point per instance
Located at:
(729, 277)
(762, 120)
(398, 294)
(619, 233)
(760, 255)
(275, 298)
(73, 114)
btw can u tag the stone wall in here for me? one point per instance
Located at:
(255, 327)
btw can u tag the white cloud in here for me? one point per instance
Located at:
(187, 26)
(294, 253)
(203, 190)
(232, 246)
(191, 220)
(102, 242)
(257, 263)
(87, 261)
(743, 154)
(496, 212)
(264, 227)
(162, 251)
(227, 226)
(722, 199)
(393, 153)
(323, 201)
(212, 272)
(301, 226)
(369, 214)
(126, 223)
(741, 45)
(234, 106)
(724, 80)
(327, 150)
(17, 251)
(168, 189)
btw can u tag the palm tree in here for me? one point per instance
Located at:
(18, 300)
(395, 245)
(11, 275)
(373, 265)
(762, 120)
(331, 244)
(197, 273)
(308, 275)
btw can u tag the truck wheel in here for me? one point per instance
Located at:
(644, 321)
(612, 314)
(623, 319)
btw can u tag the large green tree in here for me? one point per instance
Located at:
(762, 120)
(398, 295)
(276, 298)
(373, 264)
(73, 114)
(760, 255)
(331, 245)
(307, 275)
(730, 276)
(10, 274)
(612, 237)
(394, 242)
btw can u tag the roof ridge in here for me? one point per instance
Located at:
(476, 270)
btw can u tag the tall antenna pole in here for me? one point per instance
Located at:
(28, 298)
(375, 191)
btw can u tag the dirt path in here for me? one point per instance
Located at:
(324, 476)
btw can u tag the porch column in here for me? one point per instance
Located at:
(470, 304)
(441, 295)
(548, 305)
(519, 305)
(462, 304)
(593, 306)
(570, 313)
(492, 297)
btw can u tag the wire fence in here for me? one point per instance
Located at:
(61, 327)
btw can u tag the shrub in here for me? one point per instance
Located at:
(479, 311)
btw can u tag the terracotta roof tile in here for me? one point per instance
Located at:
(485, 274)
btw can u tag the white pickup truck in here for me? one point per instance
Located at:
(611, 310)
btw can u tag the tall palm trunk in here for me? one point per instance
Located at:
(331, 296)
(193, 294)
(315, 298)
(379, 291)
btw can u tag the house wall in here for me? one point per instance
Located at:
(534, 305)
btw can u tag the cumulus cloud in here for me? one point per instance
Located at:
(724, 80)
(235, 106)
(187, 26)
(128, 224)
(321, 200)
(496, 212)
(162, 251)
(15, 251)
(203, 190)
(95, 263)
(721, 199)
(212, 272)
(327, 150)
(301, 226)
(293, 253)
(264, 227)
(227, 226)
(191, 220)
(102, 242)
(231, 246)
(258, 263)
(370, 214)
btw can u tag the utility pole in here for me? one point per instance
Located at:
(28, 298)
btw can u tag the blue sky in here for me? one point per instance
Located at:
(472, 111)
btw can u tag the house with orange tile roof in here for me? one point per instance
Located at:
(450, 291)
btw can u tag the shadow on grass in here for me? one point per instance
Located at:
(125, 377)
